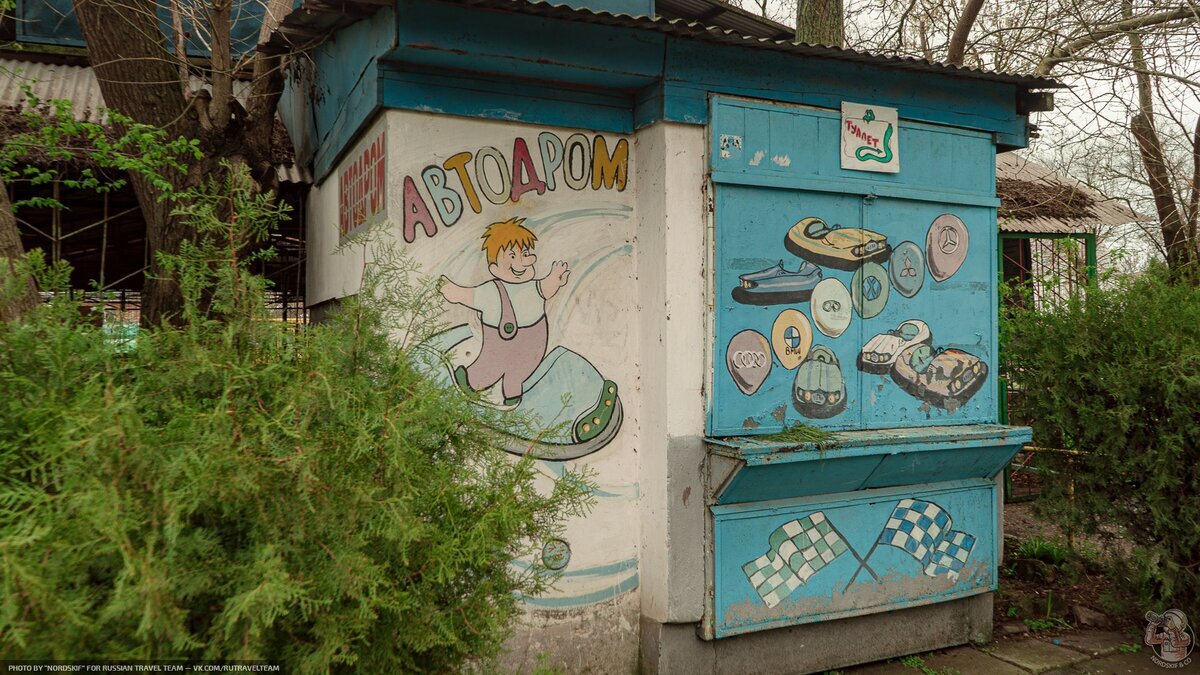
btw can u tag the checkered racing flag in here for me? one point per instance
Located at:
(922, 529)
(798, 549)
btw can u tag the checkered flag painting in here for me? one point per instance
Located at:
(798, 549)
(923, 530)
(951, 555)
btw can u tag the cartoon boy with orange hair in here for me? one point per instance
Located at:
(512, 309)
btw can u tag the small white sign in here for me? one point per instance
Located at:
(870, 138)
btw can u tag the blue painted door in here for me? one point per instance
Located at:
(804, 560)
(844, 299)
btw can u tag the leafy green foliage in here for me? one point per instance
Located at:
(236, 488)
(58, 138)
(1116, 375)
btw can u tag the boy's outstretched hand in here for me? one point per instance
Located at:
(454, 293)
(556, 279)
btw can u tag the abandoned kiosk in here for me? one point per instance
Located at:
(666, 232)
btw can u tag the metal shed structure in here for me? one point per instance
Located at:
(1051, 226)
(737, 233)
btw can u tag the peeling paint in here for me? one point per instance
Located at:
(892, 591)
(779, 413)
(782, 160)
(757, 158)
(728, 142)
(501, 113)
(750, 423)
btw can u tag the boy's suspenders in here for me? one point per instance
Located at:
(508, 317)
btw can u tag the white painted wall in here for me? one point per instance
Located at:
(615, 291)
(671, 270)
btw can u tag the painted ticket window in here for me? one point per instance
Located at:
(843, 299)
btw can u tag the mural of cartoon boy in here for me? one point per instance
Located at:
(512, 309)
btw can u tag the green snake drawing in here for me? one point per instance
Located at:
(866, 153)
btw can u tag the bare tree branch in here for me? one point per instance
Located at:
(220, 21)
(1101, 33)
(181, 49)
(1194, 198)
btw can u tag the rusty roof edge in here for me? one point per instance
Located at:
(696, 30)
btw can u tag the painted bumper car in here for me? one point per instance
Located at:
(820, 390)
(945, 378)
(777, 286)
(844, 248)
(881, 351)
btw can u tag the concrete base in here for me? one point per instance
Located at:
(673, 649)
(597, 639)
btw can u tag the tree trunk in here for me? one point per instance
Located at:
(11, 249)
(819, 22)
(140, 78)
(137, 77)
(1180, 249)
(958, 41)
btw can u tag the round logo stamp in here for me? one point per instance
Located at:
(791, 337)
(748, 358)
(946, 246)
(831, 307)
(1171, 637)
(906, 268)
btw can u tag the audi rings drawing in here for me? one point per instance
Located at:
(748, 358)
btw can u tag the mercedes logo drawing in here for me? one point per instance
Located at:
(946, 246)
(748, 358)
(791, 337)
(831, 307)
(907, 269)
(869, 289)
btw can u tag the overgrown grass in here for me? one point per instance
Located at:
(798, 434)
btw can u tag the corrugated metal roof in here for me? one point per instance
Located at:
(51, 81)
(723, 15)
(707, 20)
(1075, 208)
(698, 31)
(78, 84)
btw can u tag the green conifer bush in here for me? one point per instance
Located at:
(1116, 375)
(237, 488)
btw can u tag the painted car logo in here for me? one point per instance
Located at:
(907, 268)
(831, 307)
(748, 359)
(946, 246)
(871, 288)
(791, 337)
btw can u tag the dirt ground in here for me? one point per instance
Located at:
(1043, 595)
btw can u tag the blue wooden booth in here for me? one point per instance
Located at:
(887, 336)
(819, 225)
